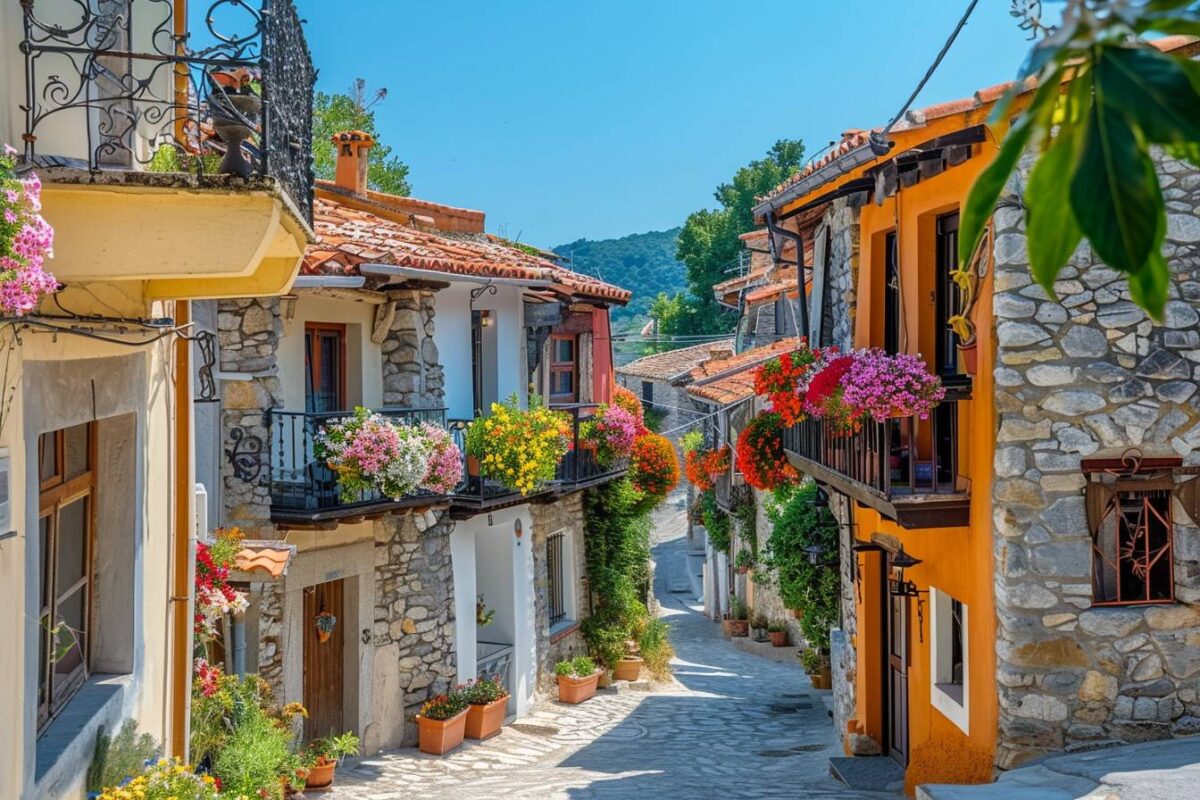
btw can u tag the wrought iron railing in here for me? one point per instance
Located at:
(896, 457)
(147, 92)
(582, 465)
(302, 483)
(579, 468)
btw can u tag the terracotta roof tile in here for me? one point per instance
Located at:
(732, 380)
(772, 291)
(917, 118)
(268, 558)
(348, 237)
(672, 365)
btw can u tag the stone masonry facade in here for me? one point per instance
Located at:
(412, 374)
(1090, 376)
(414, 608)
(566, 516)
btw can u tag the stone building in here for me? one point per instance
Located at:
(1021, 572)
(408, 308)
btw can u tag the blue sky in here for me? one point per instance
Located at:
(565, 120)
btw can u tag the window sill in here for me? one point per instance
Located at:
(562, 630)
(948, 698)
(69, 740)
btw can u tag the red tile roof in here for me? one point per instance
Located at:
(732, 380)
(674, 364)
(268, 558)
(772, 291)
(917, 118)
(348, 237)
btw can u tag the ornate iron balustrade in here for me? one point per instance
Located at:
(581, 467)
(906, 467)
(303, 487)
(149, 99)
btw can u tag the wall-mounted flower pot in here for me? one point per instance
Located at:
(739, 627)
(778, 638)
(323, 636)
(577, 690)
(473, 466)
(320, 776)
(484, 722)
(970, 357)
(439, 736)
(628, 669)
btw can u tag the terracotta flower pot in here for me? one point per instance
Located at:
(320, 776)
(726, 627)
(970, 357)
(323, 636)
(605, 680)
(483, 722)
(438, 736)
(822, 679)
(473, 466)
(778, 638)
(628, 669)
(576, 690)
(739, 627)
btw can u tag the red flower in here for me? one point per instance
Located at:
(760, 456)
(703, 467)
(653, 467)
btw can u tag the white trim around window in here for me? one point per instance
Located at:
(947, 693)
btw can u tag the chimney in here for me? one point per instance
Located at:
(718, 353)
(352, 150)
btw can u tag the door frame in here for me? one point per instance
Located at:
(312, 360)
(891, 703)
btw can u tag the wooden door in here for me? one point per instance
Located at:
(323, 661)
(325, 367)
(895, 670)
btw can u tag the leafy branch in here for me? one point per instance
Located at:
(1104, 96)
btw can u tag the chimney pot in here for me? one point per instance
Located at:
(353, 147)
(719, 353)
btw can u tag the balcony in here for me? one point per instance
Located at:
(905, 468)
(731, 491)
(579, 469)
(304, 490)
(178, 157)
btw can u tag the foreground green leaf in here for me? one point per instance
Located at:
(1053, 233)
(1148, 286)
(1153, 90)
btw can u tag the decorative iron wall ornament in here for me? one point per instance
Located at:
(246, 456)
(168, 105)
(207, 388)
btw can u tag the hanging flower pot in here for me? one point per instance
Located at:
(325, 623)
(970, 357)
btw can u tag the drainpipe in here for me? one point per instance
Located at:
(183, 548)
(238, 645)
(774, 229)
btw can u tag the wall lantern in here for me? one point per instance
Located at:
(898, 587)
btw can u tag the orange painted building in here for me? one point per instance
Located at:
(961, 653)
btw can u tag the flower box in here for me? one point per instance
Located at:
(484, 721)
(577, 690)
(440, 736)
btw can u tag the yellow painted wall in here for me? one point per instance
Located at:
(958, 561)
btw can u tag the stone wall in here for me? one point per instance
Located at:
(414, 621)
(842, 275)
(412, 375)
(1090, 376)
(248, 333)
(268, 599)
(765, 586)
(564, 515)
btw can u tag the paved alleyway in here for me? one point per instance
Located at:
(735, 726)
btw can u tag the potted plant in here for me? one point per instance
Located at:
(739, 617)
(778, 634)
(606, 645)
(325, 622)
(577, 679)
(816, 666)
(442, 722)
(628, 667)
(760, 456)
(520, 448)
(610, 434)
(744, 561)
(321, 757)
(483, 614)
(23, 278)
(487, 701)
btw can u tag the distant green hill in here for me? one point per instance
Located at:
(644, 263)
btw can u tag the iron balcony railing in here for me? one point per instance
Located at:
(143, 91)
(578, 469)
(304, 485)
(903, 456)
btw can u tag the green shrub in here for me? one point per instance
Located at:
(119, 757)
(580, 667)
(656, 650)
(605, 639)
(256, 754)
(716, 523)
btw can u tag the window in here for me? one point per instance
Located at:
(647, 393)
(325, 367)
(556, 580)
(891, 294)
(563, 373)
(1132, 534)
(949, 653)
(66, 505)
(946, 294)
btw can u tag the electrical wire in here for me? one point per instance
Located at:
(932, 68)
(722, 410)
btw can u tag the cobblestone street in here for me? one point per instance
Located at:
(733, 726)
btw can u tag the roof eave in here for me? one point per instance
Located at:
(827, 173)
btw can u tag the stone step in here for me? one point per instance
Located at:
(766, 649)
